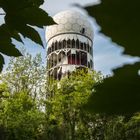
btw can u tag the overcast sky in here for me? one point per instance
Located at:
(107, 55)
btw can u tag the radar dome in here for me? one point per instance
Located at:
(70, 22)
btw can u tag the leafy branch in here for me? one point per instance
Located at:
(120, 21)
(19, 17)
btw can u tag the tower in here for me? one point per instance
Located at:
(69, 44)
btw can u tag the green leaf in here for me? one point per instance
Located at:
(119, 19)
(36, 16)
(37, 2)
(1, 62)
(9, 49)
(16, 36)
(31, 33)
(13, 6)
(6, 46)
(9, 32)
(28, 16)
(20, 14)
(119, 94)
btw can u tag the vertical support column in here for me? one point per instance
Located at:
(75, 52)
(57, 54)
(79, 53)
(71, 48)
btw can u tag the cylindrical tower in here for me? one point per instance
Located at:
(69, 44)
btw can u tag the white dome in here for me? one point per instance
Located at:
(70, 21)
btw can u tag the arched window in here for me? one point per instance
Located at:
(50, 50)
(91, 63)
(85, 46)
(59, 45)
(68, 43)
(88, 48)
(55, 45)
(77, 60)
(73, 43)
(84, 58)
(55, 73)
(91, 51)
(51, 61)
(69, 57)
(52, 47)
(82, 46)
(54, 59)
(59, 73)
(64, 44)
(77, 44)
(73, 58)
(88, 64)
(61, 55)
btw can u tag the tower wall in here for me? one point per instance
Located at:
(69, 44)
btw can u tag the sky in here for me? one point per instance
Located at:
(107, 55)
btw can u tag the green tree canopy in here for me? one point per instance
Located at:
(66, 118)
(25, 73)
(57, 111)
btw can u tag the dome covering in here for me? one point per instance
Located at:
(70, 22)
